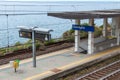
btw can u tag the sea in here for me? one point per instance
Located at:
(34, 13)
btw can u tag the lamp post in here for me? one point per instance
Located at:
(36, 33)
(33, 47)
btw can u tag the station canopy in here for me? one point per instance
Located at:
(87, 14)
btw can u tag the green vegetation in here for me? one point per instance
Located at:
(52, 41)
(69, 35)
(17, 44)
(109, 26)
(98, 32)
(27, 45)
(2, 51)
(111, 37)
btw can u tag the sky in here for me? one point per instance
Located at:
(59, 0)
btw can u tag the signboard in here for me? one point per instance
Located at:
(83, 28)
(38, 36)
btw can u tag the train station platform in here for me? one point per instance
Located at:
(51, 64)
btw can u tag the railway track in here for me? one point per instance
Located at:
(109, 72)
(112, 76)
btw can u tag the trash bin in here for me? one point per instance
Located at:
(14, 64)
(18, 61)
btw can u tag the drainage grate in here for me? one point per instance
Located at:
(55, 70)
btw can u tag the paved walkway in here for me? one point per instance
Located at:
(44, 63)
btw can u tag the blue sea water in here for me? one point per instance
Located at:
(9, 34)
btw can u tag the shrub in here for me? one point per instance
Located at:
(52, 41)
(111, 37)
(97, 32)
(83, 34)
(71, 39)
(15, 49)
(17, 43)
(2, 51)
(37, 45)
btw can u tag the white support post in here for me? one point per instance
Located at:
(118, 30)
(77, 37)
(91, 38)
(113, 27)
(116, 27)
(105, 23)
(118, 37)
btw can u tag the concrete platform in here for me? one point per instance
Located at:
(44, 63)
(51, 64)
(79, 64)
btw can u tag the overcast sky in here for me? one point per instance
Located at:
(59, 0)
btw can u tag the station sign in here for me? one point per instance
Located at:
(38, 36)
(83, 28)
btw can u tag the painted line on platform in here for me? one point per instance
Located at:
(38, 57)
(42, 74)
(90, 58)
(87, 59)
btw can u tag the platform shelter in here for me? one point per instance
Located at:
(92, 15)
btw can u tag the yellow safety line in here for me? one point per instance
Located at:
(87, 59)
(36, 76)
(90, 58)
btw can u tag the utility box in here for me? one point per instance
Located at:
(41, 34)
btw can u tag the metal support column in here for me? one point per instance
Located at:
(77, 37)
(33, 48)
(105, 23)
(91, 38)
